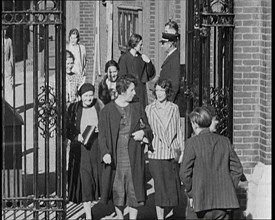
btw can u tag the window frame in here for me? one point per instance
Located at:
(126, 27)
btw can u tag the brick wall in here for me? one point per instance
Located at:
(252, 82)
(87, 32)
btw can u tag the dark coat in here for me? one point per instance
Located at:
(74, 118)
(109, 122)
(76, 157)
(142, 71)
(170, 69)
(103, 91)
(210, 171)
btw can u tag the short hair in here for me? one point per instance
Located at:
(165, 84)
(201, 116)
(76, 32)
(134, 40)
(111, 63)
(210, 109)
(123, 82)
(173, 24)
(69, 54)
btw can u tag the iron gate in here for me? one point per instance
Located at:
(33, 107)
(209, 64)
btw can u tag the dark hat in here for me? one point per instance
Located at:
(168, 37)
(85, 88)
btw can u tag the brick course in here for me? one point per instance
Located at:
(251, 35)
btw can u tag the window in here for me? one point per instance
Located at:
(129, 21)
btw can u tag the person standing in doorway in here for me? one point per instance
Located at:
(123, 126)
(210, 170)
(170, 69)
(79, 52)
(139, 65)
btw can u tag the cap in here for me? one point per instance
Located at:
(168, 37)
(85, 88)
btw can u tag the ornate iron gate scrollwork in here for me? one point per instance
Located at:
(209, 64)
(38, 190)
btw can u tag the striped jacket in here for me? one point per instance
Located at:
(168, 140)
(210, 171)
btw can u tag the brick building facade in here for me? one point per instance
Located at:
(251, 74)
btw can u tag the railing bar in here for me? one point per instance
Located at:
(35, 117)
(3, 126)
(25, 113)
(47, 136)
(63, 101)
(58, 106)
(214, 57)
(13, 117)
(14, 161)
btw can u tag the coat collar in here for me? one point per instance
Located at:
(169, 57)
(169, 114)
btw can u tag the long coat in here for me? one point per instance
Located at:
(109, 122)
(75, 157)
(142, 71)
(170, 69)
(210, 171)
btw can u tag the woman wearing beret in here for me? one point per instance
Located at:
(84, 165)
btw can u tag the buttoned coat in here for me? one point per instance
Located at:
(170, 69)
(210, 171)
(109, 122)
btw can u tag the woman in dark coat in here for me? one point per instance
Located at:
(84, 164)
(123, 127)
(135, 63)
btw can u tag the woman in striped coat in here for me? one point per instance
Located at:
(168, 143)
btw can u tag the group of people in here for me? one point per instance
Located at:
(128, 131)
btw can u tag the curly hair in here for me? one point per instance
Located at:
(165, 84)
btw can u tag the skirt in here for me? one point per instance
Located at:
(84, 172)
(165, 174)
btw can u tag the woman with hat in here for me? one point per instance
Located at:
(84, 165)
